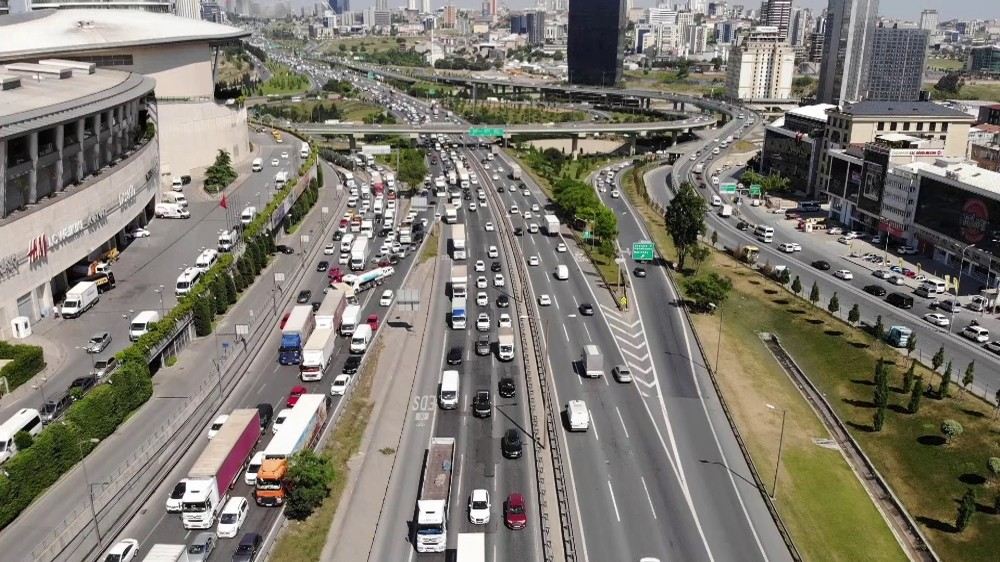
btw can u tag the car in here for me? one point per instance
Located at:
(124, 550)
(845, 239)
(615, 194)
(490, 227)
(906, 250)
(511, 445)
(351, 365)
(844, 274)
(104, 367)
(80, 386)
(479, 507)
(518, 231)
(339, 385)
(621, 373)
(560, 247)
(480, 265)
(337, 236)
(533, 260)
(877, 290)
(937, 319)
(98, 342)
(492, 252)
(275, 162)
(305, 295)
(822, 265)
(787, 247)
(525, 192)
(527, 215)
(993, 347)
(323, 266)
(506, 387)
(329, 250)
(386, 298)
(344, 259)
(138, 232)
(482, 404)
(481, 282)
(586, 309)
(294, 394)
(454, 356)
(483, 322)
(472, 206)
(882, 274)
(544, 300)
(284, 155)
(483, 345)
(248, 548)
(495, 267)
(639, 272)
(54, 407)
(482, 299)
(897, 279)
(216, 425)
(498, 280)
(201, 547)
(948, 305)
(976, 333)
(515, 513)
(503, 301)
(504, 321)
(176, 495)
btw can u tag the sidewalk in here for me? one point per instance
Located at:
(370, 470)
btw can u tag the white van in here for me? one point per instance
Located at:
(187, 280)
(248, 214)
(250, 476)
(175, 198)
(562, 272)
(977, 334)
(764, 233)
(577, 415)
(206, 259)
(448, 396)
(345, 243)
(142, 323)
(257, 165)
(27, 420)
(934, 285)
(177, 184)
(232, 517)
(171, 211)
(360, 339)
(716, 201)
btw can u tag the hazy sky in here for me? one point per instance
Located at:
(900, 9)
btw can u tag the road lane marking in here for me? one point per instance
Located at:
(589, 337)
(594, 425)
(648, 497)
(565, 333)
(614, 502)
(624, 428)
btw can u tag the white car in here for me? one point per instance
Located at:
(275, 163)
(896, 279)
(844, 274)
(232, 517)
(525, 192)
(883, 274)
(796, 246)
(498, 280)
(533, 260)
(534, 207)
(514, 210)
(284, 156)
(615, 194)
(216, 426)
(544, 300)
(472, 207)
(123, 551)
(786, 247)
(479, 507)
(482, 299)
(480, 265)
(139, 232)
(344, 259)
(844, 239)
(492, 252)
(561, 247)
(386, 298)
(504, 321)
(483, 322)
(937, 319)
(329, 249)
(527, 215)
(339, 385)
(481, 282)
(490, 227)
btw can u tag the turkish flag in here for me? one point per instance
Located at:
(223, 203)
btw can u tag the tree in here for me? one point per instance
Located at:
(878, 419)
(309, 477)
(230, 283)
(909, 376)
(785, 276)
(915, 394)
(911, 344)
(938, 358)
(203, 314)
(699, 253)
(715, 242)
(878, 330)
(834, 305)
(796, 285)
(707, 289)
(220, 174)
(951, 429)
(945, 382)
(969, 376)
(950, 83)
(605, 224)
(814, 294)
(685, 218)
(966, 508)
(23, 440)
(854, 314)
(218, 290)
(993, 466)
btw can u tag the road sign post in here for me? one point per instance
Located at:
(728, 188)
(642, 250)
(486, 131)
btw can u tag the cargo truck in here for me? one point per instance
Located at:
(552, 225)
(459, 281)
(372, 278)
(459, 313)
(359, 253)
(593, 361)
(81, 298)
(471, 547)
(726, 211)
(349, 319)
(167, 553)
(458, 242)
(463, 176)
(435, 492)
(298, 327)
(300, 430)
(452, 177)
(515, 172)
(450, 214)
(218, 468)
(505, 344)
(333, 305)
(317, 353)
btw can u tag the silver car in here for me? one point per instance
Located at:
(201, 548)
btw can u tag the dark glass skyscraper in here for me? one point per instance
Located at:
(340, 6)
(596, 42)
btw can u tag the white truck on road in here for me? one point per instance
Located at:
(505, 344)
(459, 281)
(359, 253)
(593, 361)
(552, 225)
(726, 211)
(167, 553)
(458, 242)
(349, 319)
(515, 172)
(471, 547)
(435, 495)
(317, 353)
(79, 299)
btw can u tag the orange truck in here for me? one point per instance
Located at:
(300, 430)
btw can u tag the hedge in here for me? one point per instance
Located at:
(98, 414)
(26, 362)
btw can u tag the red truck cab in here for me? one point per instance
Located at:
(373, 322)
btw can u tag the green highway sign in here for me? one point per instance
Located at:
(486, 131)
(371, 75)
(727, 188)
(755, 190)
(642, 251)
(587, 235)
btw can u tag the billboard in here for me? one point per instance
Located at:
(966, 216)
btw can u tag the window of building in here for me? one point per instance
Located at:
(920, 126)
(906, 125)
(933, 126)
(892, 126)
(881, 125)
(944, 127)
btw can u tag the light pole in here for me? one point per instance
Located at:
(718, 341)
(159, 293)
(90, 487)
(41, 387)
(781, 441)
(961, 268)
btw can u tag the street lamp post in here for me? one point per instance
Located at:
(781, 441)
(90, 487)
(961, 268)
(159, 293)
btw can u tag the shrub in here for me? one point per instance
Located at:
(26, 361)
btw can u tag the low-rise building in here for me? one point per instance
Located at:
(792, 145)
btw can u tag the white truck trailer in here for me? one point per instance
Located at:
(505, 344)
(593, 361)
(458, 248)
(435, 495)
(317, 353)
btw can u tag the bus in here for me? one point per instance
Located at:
(27, 420)
(187, 280)
(764, 233)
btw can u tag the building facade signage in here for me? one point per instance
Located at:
(974, 220)
(76, 228)
(38, 248)
(9, 266)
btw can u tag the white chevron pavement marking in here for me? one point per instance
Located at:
(640, 345)
(642, 357)
(643, 370)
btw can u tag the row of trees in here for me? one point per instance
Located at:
(302, 113)
(412, 166)
(461, 63)
(576, 200)
(771, 183)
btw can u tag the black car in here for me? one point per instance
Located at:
(586, 309)
(337, 236)
(821, 265)
(639, 272)
(483, 345)
(500, 189)
(284, 249)
(177, 494)
(876, 290)
(455, 356)
(503, 301)
(506, 387)
(265, 412)
(519, 231)
(510, 444)
(52, 409)
(80, 386)
(248, 548)
(495, 267)
(482, 404)
(304, 296)
(323, 266)
(352, 364)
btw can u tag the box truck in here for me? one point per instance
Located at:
(359, 253)
(505, 344)
(459, 281)
(515, 172)
(167, 553)
(349, 319)
(459, 313)
(593, 361)
(471, 547)
(80, 299)
(218, 467)
(300, 430)
(552, 225)
(435, 495)
(317, 353)
(458, 242)
(298, 327)
(333, 305)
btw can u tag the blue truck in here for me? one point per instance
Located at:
(295, 330)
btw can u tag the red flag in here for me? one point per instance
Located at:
(222, 202)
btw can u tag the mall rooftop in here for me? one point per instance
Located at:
(962, 172)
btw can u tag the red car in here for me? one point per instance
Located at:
(293, 396)
(373, 322)
(283, 320)
(514, 512)
(335, 275)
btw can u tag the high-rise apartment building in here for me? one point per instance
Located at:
(381, 5)
(425, 6)
(595, 46)
(696, 38)
(777, 13)
(929, 20)
(897, 65)
(190, 9)
(761, 65)
(847, 48)
(799, 28)
(660, 16)
(340, 6)
(531, 24)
